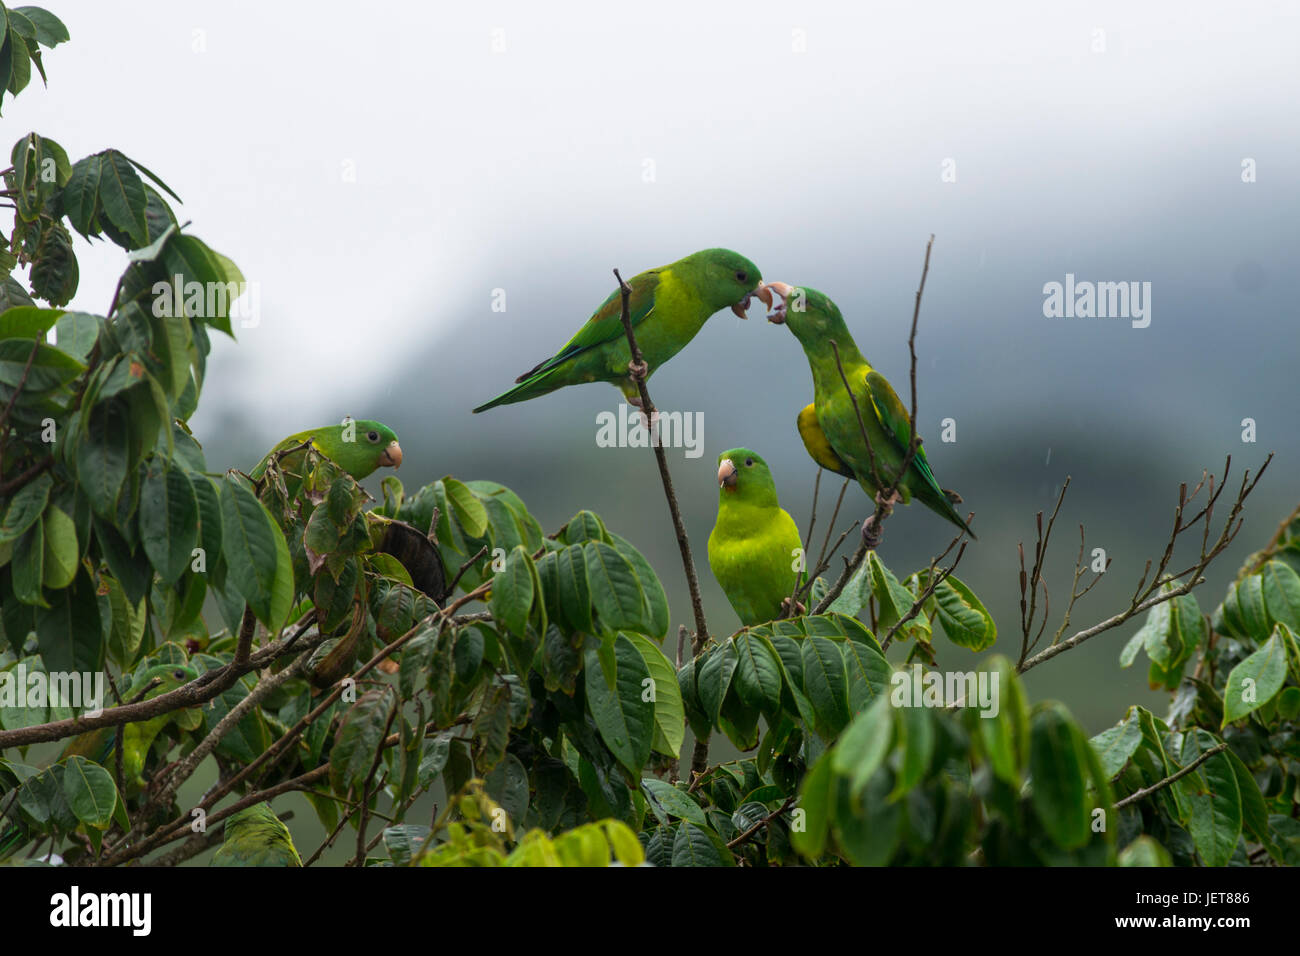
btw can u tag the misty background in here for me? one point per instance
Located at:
(379, 172)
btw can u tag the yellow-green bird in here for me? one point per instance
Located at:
(754, 548)
(255, 836)
(829, 427)
(138, 737)
(667, 307)
(358, 447)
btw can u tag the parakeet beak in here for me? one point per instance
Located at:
(392, 455)
(783, 289)
(761, 292)
(726, 474)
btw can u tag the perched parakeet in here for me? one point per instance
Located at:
(754, 547)
(137, 738)
(667, 307)
(255, 836)
(358, 447)
(832, 434)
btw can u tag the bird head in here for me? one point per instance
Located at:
(729, 279)
(809, 314)
(744, 475)
(379, 436)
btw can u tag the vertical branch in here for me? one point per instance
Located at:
(638, 372)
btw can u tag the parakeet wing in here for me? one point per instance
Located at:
(606, 324)
(818, 448)
(897, 423)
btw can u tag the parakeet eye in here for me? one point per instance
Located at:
(373, 436)
(740, 274)
(749, 463)
(178, 674)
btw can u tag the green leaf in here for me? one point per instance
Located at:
(817, 804)
(1280, 586)
(512, 591)
(713, 676)
(893, 599)
(27, 322)
(825, 682)
(121, 194)
(169, 520)
(102, 458)
(25, 507)
(624, 718)
(615, 592)
(61, 551)
(69, 633)
(1116, 745)
(359, 738)
(77, 332)
(1058, 770)
(1254, 681)
(670, 715)
(28, 565)
(50, 31)
(651, 587)
(81, 195)
(1145, 851)
(694, 846)
(862, 747)
(758, 673)
(257, 558)
(468, 510)
(1212, 798)
(50, 367)
(674, 802)
(869, 674)
(90, 792)
(963, 618)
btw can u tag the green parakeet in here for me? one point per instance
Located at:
(137, 738)
(832, 435)
(255, 836)
(358, 447)
(667, 307)
(754, 546)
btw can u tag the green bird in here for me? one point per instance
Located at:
(99, 745)
(754, 548)
(358, 447)
(667, 307)
(255, 836)
(831, 433)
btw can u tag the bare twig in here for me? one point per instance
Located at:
(1137, 795)
(933, 580)
(638, 372)
(1161, 587)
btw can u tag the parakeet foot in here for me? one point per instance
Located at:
(638, 372)
(799, 608)
(872, 534)
(887, 504)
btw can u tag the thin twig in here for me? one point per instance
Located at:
(1160, 785)
(639, 372)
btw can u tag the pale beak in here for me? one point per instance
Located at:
(761, 292)
(726, 474)
(783, 289)
(392, 455)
